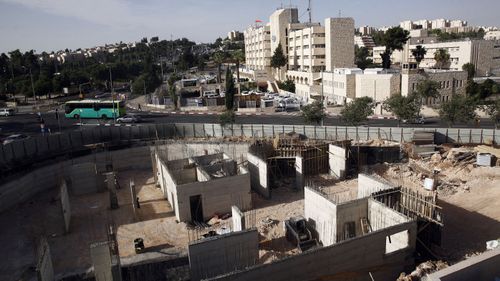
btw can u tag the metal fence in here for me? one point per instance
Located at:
(49, 146)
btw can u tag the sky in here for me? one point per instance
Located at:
(50, 25)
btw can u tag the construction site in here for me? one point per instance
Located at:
(281, 207)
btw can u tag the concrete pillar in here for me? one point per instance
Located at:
(44, 268)
(111, 185)
(299, 176)
(65, 205)
(238, 218)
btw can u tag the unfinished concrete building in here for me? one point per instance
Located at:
(288, 160)
(200, 187)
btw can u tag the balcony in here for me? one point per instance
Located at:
(318, 40)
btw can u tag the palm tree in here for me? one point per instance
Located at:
(219, 58)
(238, 56)
(442, 57)
(419, 53)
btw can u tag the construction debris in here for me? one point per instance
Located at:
(422, 270)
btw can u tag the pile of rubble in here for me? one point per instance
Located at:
(449, 168)
(422, 270)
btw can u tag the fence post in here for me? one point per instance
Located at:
(262, 130)
(194, 131)
(446, 140)
(325, 134)
(481, 140)
(251, 128)
(315, 132)
(470, 135)
(390, 134)
(401, 137)
(232, 129)
(213, 130)
(273, 131)
(368, 133)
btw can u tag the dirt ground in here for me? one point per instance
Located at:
(468, 194)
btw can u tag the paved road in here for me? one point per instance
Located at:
(29, 124)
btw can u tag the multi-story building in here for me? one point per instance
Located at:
(364, 41)
(366, 30)
(432, 24)
(310, 48)
(484, 54)
(451, 83)
(235, 35)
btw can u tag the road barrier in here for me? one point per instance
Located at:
(45, 147)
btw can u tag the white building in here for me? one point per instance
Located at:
(484, 54)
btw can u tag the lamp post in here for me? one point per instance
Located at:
(112, 95)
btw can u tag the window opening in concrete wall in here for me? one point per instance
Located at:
(349, 230)
(396, 242)
(196, 208)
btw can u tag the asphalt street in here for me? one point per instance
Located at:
(29, 124)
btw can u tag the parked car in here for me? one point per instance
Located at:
(13, 138)
(416, 120)
(129, 118)
(7, 111)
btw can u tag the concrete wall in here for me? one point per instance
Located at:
(238, 219)
(217, 255)
(482, 267)
(217, 195)
(321, 215)
(369, 184)
(259, 179)
(44, 267)
(337, 159)
(85, 179)
(348, 260)
(65, 205)
(350, 212)
(101, 259)
(22, 187)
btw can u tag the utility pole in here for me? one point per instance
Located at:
(112, 94)
(322, 97)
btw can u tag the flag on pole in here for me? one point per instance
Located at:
(258, 21)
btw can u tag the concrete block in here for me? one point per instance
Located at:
(238, 219)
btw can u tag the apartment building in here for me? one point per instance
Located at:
(484, 54)
(306, 51)
(339, 85)
(258, 47)
(432, 24)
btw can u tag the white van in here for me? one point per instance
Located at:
(6, 111)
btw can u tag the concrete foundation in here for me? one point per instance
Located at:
(216, 255)
(337, 160)
(259, 178)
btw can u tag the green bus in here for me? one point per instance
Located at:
(94, 109)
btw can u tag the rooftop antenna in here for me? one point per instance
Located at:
(340, 13)
(309, 10)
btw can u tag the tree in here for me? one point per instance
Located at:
(230, 90)
(442, 58)
(357, 111)
(362, 60)
(238, 57)
(227, 117)
(427, 89)
(278, 60)
(172, 94)
(458, 109)
(471, 70)
(288, 86)
(219, 57)
(419, 53)
(493, 111)
(314, 112)
(393, 39)
(405, 108)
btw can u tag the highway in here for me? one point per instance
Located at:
(29, 124)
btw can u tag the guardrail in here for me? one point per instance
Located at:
(45, 147)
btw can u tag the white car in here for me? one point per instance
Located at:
(129, 118)
(6, 112)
